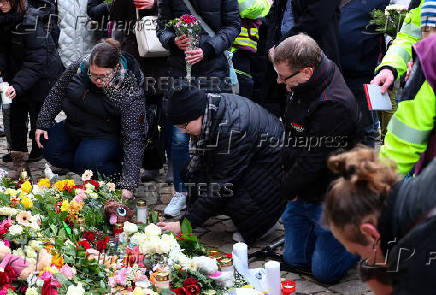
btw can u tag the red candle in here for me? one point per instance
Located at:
(118, 229)
(288, 287)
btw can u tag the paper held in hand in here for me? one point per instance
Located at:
(376, 100)
(3, 88)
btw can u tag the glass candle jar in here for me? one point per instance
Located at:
(162, 281)
(118, 229)
(226, 264)
(288, 287)
(141, 211)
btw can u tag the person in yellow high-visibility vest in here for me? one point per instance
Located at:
(245, 45)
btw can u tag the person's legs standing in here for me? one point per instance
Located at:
(299, 235)
(179, 155)
(101, 155)
(242, 65)
(60, 147)
(36, 153)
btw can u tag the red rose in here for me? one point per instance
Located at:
(50, 287)
(85, 245)
(8, 276)
(192, 290)
(102, 244)
(94, 183)
(180, 291)
(189, 281)
(89, 236)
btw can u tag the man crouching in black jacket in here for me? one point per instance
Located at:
(235, 166)
(322, 116)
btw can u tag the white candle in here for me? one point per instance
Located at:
(272, 270)
(241, 250)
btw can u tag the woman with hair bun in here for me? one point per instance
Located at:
(390, 224)
(103, 99)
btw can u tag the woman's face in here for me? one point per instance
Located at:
(5, 6)
(101, 76)
(193, 127)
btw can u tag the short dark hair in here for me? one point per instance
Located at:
(106, 54)
(299, 51)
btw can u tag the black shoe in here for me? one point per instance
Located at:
(35, 155)
(7, 158)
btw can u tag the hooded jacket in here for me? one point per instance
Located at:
(239, 163)
(91, 114)
(322, 116)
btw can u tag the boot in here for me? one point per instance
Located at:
(19, 161)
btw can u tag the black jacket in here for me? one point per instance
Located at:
(322, 116)
(408, 237)
(28, 57)
(242, 150)
(122, 109)
(317, 18)
(222, 16)
(98, 10)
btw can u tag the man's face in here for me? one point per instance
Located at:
(291, 78)
(193, 127)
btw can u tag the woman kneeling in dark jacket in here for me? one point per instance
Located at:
(103, 98)
(391, 224)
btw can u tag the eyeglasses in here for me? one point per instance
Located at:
(104, 78)
(290, 76)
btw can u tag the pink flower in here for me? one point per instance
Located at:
(46, 276)
(67, 271)
(79, 197)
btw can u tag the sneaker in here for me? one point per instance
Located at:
(237, 237)
(7, 158)
(150, 175)
(177, 203)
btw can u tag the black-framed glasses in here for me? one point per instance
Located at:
(288, 77)
(104, 78)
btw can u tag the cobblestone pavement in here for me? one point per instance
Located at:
(213, 234)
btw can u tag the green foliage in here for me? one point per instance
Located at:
(189, 242)
(388, 23)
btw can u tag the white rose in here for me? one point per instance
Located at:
(93, 195)
(30, 253)
(111, 186)
(206, 265)
(138, 239)
(36, 245)
(15, 229)
(130, 228)
(8, 211)
(152, 230)
(76, 290)
(162, 248)
(19, 252)
(89, 188)
(87, 175)
(147, 248)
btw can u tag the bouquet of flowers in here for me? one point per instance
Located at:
(188, 25)
(390, 20)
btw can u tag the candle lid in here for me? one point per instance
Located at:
(209, 292)
(214, 253)
(162, 276)
(141, 203)
(226, 262)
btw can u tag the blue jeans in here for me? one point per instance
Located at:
(178, 153)
(308, 244)
(102, 155)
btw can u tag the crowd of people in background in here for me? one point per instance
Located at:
(295, 141)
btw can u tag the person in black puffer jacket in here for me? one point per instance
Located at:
(103, 98)
(322, 117)
(30, 64)
(235, 169)
(388, 222)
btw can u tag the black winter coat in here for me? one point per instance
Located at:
(240, 159)
(408, 234)
(322, 116)
(98, 10)
(28, 57)
(317, 18)
(223, 18)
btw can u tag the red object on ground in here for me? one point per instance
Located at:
(288, 287)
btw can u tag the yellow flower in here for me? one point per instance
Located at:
(11, 192)
(27, 202)
(60, 185)
(64, 206)
(57, 260)
(70, 183)
(50, 269)
(26, 187)
(44, 183)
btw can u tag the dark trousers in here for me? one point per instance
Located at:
(21, 109)
(242, 64)
(356, 86)
(102, 155)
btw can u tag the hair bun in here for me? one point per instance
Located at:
(113, 42)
